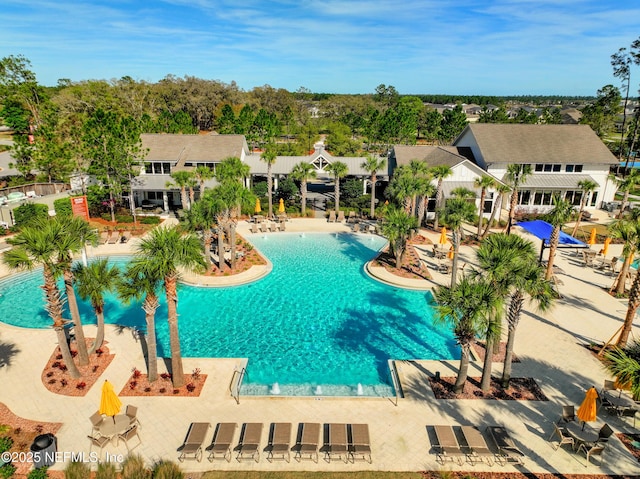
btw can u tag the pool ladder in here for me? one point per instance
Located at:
(236, 380)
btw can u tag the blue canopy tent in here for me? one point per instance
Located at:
(542, 230)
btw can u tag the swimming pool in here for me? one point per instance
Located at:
(316, 320)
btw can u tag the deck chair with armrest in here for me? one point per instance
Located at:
(596, 449)
(96, 419)
(478, 450)
(341, 218)
(282, 225)
(605, 433)
(308, 443)
(130, 434)
(337, 443)
(564, 437)
(352, 217)
(99, 442)
(104, 237)
(568, 414)
(249, 445)
(587, 258)
(192, 445)
(114, 237)
(263, 227)
(332, 216)
(605, 403)
(132, 414)
(448, 446)
(629, 412)
(508, 452)
(222, 441)
(360, 444)
(280, 441)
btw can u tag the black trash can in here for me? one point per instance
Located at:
(44, 449)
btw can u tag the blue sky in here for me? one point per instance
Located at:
(502, 47)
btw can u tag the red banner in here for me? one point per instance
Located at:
(80, 207)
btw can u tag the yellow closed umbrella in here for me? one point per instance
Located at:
(451, 253)
(258, 209)
(443, 236)
(281, 206)
(110, 403)
(605, 248)
(588, 409)
(592, 238)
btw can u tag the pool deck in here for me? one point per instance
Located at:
(549, 346)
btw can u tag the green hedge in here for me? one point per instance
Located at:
(28, 212)
(62, 206)
(149, 220)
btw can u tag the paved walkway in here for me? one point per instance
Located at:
(549, 346)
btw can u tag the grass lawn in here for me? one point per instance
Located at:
(310, 475)
(584, 231)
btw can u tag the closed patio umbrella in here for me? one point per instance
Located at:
(451, 253)
(281, 206)
(605, 248)
(443, 236)
(258, 210)
(592, 238)
(110, 403)
(588, 409)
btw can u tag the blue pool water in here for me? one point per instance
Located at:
(316, 320)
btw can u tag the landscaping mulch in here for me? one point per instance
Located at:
(56, 377)
(631, 442)
(411, 265)
(247, 259)
(479, 348)
(520, 389)
(517, 475)
(139, 385)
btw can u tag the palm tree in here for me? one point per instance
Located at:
(163, 252)
(558, 216)
(426, 190)
(93, 280)
(372, 165)
(455, 212)
(634, 293)
(339, 170)
(233, 170)
(624, 365)
(626, 185)
(398, 227)
(202, 173)
(628, 230)
(269, 156)
(483, 182)
(35, 246)
(137, 282)
(181, 179)
(587, 186)
(467, 307)
(516, 176)
(71, 236)
(303, 172)
(509, 262)
(402, 187)
(439, 172)
(501, 190)
(419, 170)
(200, 218)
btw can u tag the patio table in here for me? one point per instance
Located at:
(111, 426)
(619, 400)
(580, 434)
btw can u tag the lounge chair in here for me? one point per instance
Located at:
(222, 441)
(337, 442)
(507, 450)
(192, 445)
(263, 227)
(589, 450)
(104, 237)
(360, 445)
(478, 449)
(249, 445)
(280, 442)
(564, 436)
(308, 442)
(113, 238)
(282, 225)
(254, 228)
(356, 227)
(341, 218)
(332, 216)
(445, 267)
(273, 227)
(448, 446)
(352, 217)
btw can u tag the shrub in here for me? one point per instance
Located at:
(63, 382)
(166, 376)
(133, 384)
(136, 373)
(7, 471)
(195, 375)
(133, 467)
(77, 470)
(3, 231)
(106, 470)
(24, 214)
(39, 473)
(62, 206)
(167, 470)
(5, 443)
(191, 387)
(150, 220)
(81, 385)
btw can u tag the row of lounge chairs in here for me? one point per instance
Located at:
(345, 441)
(114, 237)
(268, 226)
(474, 448)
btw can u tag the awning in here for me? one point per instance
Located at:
(542, 230)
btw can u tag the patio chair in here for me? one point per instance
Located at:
(341, 218)
(96, 419)
(448, 446)
(445, 267)
(360, 445)
(563, 436)
(132, 414)
(128, 435)
(192, 445)
(605, 403)
(629, 412)
(309, 434)
(609, 385)
(478, 449)
(99, 442)
(222, 440)
(568, 414)
(249, 444)
(587, 258)
(605, 433)
(337, 444)
(332, 216)
(507, 450)
(589, 450)
(280, 441)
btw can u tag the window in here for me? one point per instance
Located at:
(157, 168)
(573, 168)
(524, 197)
(539, 167)
(154, 195)
(548, 167)
(594, 197)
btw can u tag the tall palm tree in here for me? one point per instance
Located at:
(483, 182)
(439, 172)
(181, 179)
(339, 170)
(163, 252)
(419, 170)
(456, 211)
(35, 246)
(372, 165)
(626, 185)
(509, 262)
(558, 216)
(72, 234)
(202, 173)
(624, 365)
(137, 282)
(93, 280)
(426, 190)
(398, 227)
(200, 219)
(303, 172)
(516, 175)
(233, 170)
(587, 186)
(501, 190)
(269, 156)
(467, 307)
(628, 230)
(402, 187)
